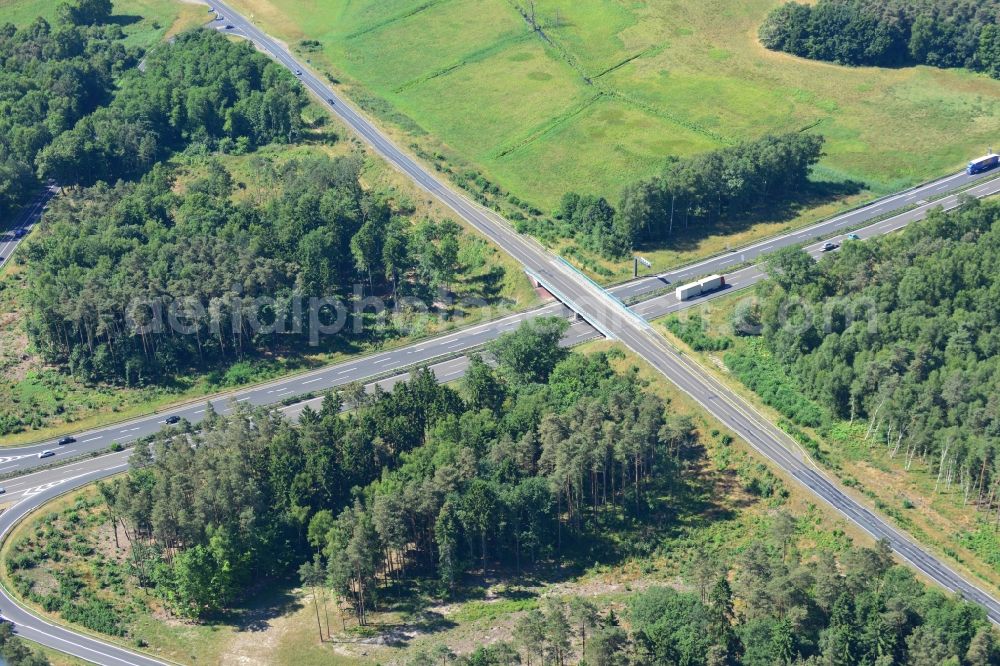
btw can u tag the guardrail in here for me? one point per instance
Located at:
(603, 330)
(619, 302)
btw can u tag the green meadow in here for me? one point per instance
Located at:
(607, 89)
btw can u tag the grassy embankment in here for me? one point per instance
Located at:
(729, 500)
(620, 87)
(939, 519)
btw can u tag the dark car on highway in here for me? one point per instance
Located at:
(170, 420)
(66, 440)
(827, 247)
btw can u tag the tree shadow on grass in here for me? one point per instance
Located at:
(257, 614)
(124, 19)
(775, 211)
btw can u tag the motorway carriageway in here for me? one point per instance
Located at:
(26, 219)
(390, 364)
(16, 459)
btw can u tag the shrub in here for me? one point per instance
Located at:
(755, 367)
(693, 332)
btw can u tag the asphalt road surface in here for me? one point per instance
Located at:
(596, 306)
(25, 220)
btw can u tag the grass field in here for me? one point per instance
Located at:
(146, 22)
(615, 87)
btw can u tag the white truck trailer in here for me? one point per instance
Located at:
(703, 286)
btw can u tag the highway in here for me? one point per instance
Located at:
(13, 460)
(25, 220)
(595, 305)
(393, 362)
(609, 316)
(17, 459)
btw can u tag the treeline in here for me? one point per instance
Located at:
(771, 606)
(701, 190)
(114, 265)
(858, 609)
(904, 333)
(940, 33)
(199, 88)
(419, 483)
(50, 78)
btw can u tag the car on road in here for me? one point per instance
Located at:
(20, 233)
(230, 26)
(170, 420)
(2, 490)
(298, 72)
(331, 100)
(66, 440)
(853, 237)
(827, 247)
(46, 454)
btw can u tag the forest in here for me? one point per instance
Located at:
(113, 264)
(901, 333)
(939, 33)
(135, 278)
(530, 465)
(769, 607)
(702, 190)
(50, 78)
(535, 460)
(199, 88)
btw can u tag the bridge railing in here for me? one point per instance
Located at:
(621, 304)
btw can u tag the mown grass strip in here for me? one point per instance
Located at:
(474, 57)
(546, 127)
(394, 19)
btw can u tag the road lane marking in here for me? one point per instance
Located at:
(312, 380)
